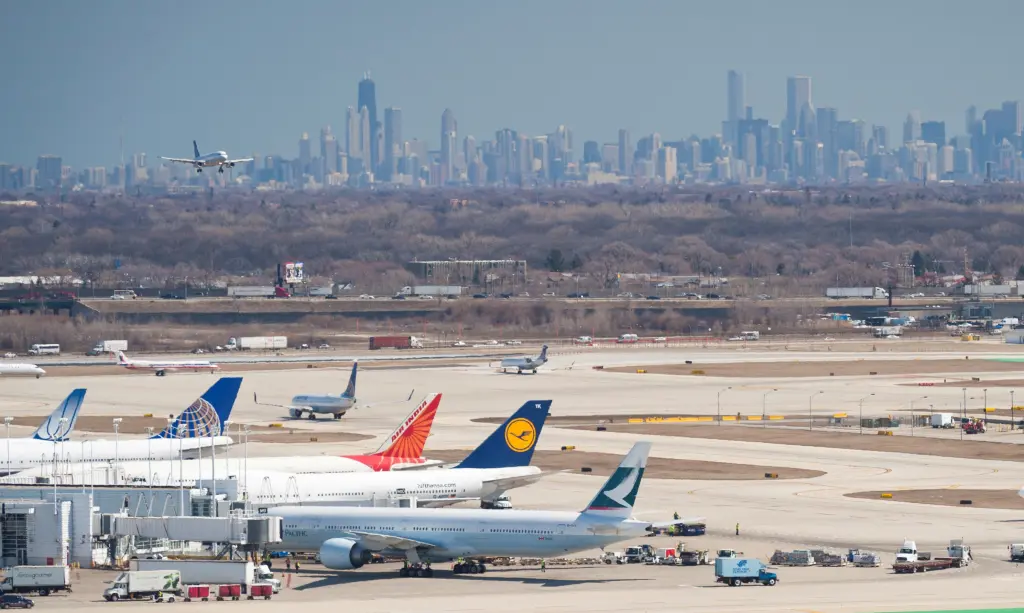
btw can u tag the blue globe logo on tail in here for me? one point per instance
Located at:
(520, 434)
(198, 420)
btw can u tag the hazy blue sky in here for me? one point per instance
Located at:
(252, 75)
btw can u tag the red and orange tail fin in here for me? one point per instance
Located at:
(408, 440)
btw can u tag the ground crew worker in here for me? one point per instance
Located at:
(675, 515)
(737, 528)
(288, 563)
(543, 566)
(297, 562)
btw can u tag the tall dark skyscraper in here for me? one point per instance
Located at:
(368, 98)
(449, 129)
(625, 152)
(735, 104)
(798, 95)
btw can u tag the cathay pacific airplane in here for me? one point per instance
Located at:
(199, 426)
(217, 158)
(500, 463)
(346, 537)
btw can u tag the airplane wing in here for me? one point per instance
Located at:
(508, 483)
(280, 406)
(179, 160)
(389, 402)
(379, 542)
(238, 161)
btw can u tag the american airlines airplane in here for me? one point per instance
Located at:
(21, 369)
(526, 363)
(160, 367)
(217, 158)
(346, 537)
(500, 463)
(331, 404)
(199, 426)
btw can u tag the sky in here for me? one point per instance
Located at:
(250, 76)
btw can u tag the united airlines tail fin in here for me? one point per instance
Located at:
(408, 440)
(54, 429)
(350, 391)
(543, 354)
(618, 495)
(512, 444)
(195, 148)
(208, 414)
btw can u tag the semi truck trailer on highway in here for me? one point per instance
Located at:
(257, 343)
(258, 291)
(856, 292)
(431, 290)
(396, 342)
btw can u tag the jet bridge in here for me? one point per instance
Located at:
(242, 530)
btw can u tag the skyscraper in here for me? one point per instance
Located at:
(591, 152)
(449, 131)
(625, 152)
(934, 132)
(305, 153)
(735, 103)
(368, 100)
(798, 95)
(352, 134)
(392, 141)
(49, 171)
(365, 138)
(912, 127)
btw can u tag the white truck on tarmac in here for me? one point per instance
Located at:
(105, 347)
(213, 572)
(42, 580)
(136, 584)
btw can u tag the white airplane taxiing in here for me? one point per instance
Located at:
(21, 370)
(160, 367)
(347, 537)
(219, 159)
(526, 363)
(330, 404)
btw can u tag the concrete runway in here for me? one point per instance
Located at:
(791, 514)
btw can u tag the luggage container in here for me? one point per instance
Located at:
(197, 592)
(261, 590)
(232, 591)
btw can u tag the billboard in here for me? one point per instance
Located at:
(293, 273)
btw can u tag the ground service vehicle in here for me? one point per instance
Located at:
(44, 349)
(42, 580)
(14, 601)
(104, 347)
(215, 572)
(856, 292)
(1016, 552)
(124, 294)
(737, 571)
(395, 342)
(698, 557)
(144, 584)
(942, 420)
(909, 560)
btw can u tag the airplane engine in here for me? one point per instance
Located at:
(295, 413)
(343, 554)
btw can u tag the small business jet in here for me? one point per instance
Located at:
(217, 158)
(160, 368)
(526, 363)
(22, 370)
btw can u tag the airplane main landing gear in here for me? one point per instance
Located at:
(221, 170)
(199, 170)
(416, 570)
(469, 568)
(337, 416)
(312, 416)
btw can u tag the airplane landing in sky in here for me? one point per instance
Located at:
(219, 159)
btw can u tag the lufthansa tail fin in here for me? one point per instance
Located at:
(512, 444)
(350, 391)
(618, 495)
(195, 148)
(208, 414)
(61, 422)
(408, 440)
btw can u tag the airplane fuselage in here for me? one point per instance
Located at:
(455, 533)
(36, 457)
(212, 159)
(324, 403)
(27, 370)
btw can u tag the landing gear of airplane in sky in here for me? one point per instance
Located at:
(469, 568)
(416, 570)
(221, 170)
(199, 170)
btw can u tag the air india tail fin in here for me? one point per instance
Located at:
(408, 440)
(195, 148)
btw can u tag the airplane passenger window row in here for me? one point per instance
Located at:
(513, 531)
(342, 494)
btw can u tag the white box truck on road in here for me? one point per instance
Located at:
(144, 584)
(42, 580)
(105, 347)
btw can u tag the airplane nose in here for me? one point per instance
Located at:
(1021, 492)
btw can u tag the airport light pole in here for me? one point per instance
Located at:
(720, 404)
(117, 456)
(810, 410)
(986, 406)
(861, 402)
(7, 421)
(913, 420)
(963, 413)
(245, 430)
(764, 408)
(1011, 409)
(149, 464)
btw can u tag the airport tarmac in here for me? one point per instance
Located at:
(772, 514)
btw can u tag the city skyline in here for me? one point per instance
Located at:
(141, 85)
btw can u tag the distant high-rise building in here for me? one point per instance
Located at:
(828, 122)
(392, 141)
(935, 132)
(449, 132)
(365, 138)
(798, 95)
(352, 140)
(850, 136)
(625, 152)
(328, 154)
(667, 167)
(305, 154)
(49, 171)
(735, 104)
(469, 150)
(880, 135)
(368, 100)
(912, 127)
(591, 152)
